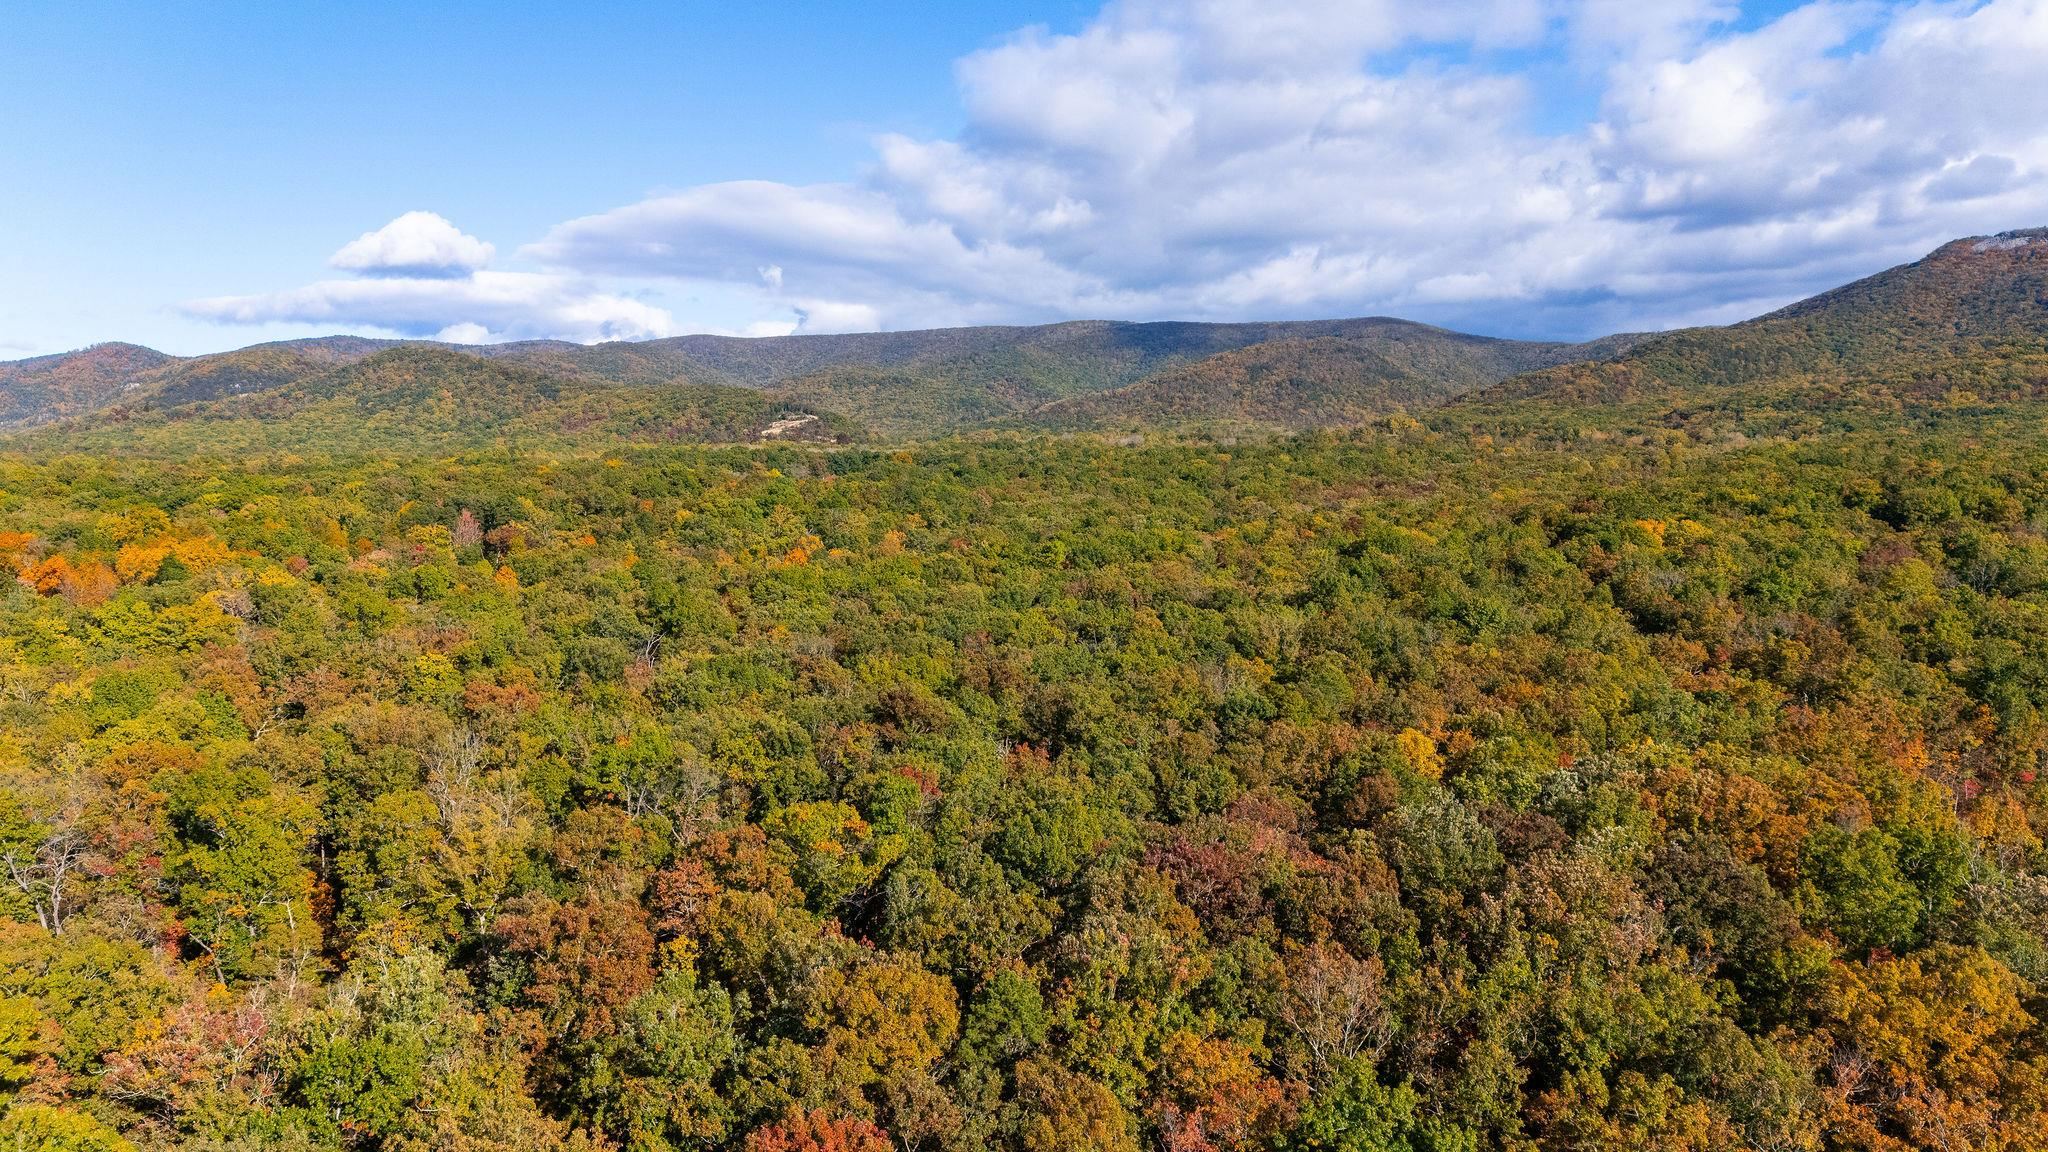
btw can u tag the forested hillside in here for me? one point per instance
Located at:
(424, 751)
(1171, 375)
(1972, 316)
(47, 388)
(422, 398)
(1285, 384)
(899, 384)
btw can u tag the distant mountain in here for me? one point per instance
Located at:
(1283, 383)
(1322, 381)
(1082, 375)
(425, 397)
(1047, 358)
(48, 388)
(1972, 316)
(898, 383)
(1968, 324)
(249, 370)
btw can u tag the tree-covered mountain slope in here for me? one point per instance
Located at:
(425, 397)
(1320, 382)
(1050, 359)
(906, 383)
(46, 388)
(1973, 315)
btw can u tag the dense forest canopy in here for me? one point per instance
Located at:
(1517, 775)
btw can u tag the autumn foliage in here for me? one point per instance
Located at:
(1414, 789)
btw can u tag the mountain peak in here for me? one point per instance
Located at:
(2008, 241)
(1978, 297)
(111, 353)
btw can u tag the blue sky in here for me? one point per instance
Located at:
(159, 155)
(185, 178)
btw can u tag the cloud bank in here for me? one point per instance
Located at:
(1523, 167)
(421, 276)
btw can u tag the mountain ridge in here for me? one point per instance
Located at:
(427, 397)
(1967, 323)
(919, 380)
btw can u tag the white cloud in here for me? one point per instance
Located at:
(1666, 163)
(836, 316)
(1237, 158)
(464, 333)
(477, 308)
(1652, 29)
(417, 244)
(424, 277)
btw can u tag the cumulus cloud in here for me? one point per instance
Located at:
(416, 244)
(1522, 167)
(423, 277)
(1241, 158)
